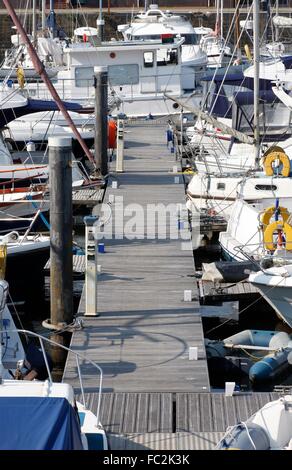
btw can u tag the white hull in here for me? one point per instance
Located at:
(275, 284)
(280, 298)
(220, 193)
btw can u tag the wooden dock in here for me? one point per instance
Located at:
(78, 262)
(154, 397)
(211, 293)
(87, 197)
(145, 328)
(173, 421)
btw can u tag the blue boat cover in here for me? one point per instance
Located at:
(33, 106)
(38, 423)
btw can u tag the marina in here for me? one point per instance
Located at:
(146, 227)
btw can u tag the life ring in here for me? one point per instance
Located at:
(286, 228)
(273, 154)
(270, 211)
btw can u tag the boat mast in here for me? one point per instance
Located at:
(34, 23)
(43, 14)
(52, 19)
(100, 22)
(256, 59)
(39, 68)
(217, 18)
(277, 27)
(221, 19)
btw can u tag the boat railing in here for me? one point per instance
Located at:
(78, 357)
(77, 89)
(282, 257)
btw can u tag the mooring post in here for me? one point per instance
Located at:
(91, 266)
(61, 280)
(101, 119)
(120, 146)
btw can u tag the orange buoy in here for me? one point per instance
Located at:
(112, 134)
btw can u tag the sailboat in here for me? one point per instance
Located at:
(220, 179)
(37, 413)
(214, 45)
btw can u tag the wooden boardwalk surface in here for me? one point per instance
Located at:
(210, 292)
(170, 421)
(144, 331)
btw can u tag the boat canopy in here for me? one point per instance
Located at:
(33, 106)
(282, 21)
(38, 423)
(244, 98)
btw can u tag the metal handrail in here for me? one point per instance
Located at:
(78, 355)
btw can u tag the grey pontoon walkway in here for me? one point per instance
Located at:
(144, 331)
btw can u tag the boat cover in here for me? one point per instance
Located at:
(33, 106)
(38, 423)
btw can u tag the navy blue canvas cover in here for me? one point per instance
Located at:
(37, 423)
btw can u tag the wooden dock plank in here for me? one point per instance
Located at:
(214, 412)
(144, 331)
(210, 293)
(196, 413)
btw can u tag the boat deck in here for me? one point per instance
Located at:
(145, 328)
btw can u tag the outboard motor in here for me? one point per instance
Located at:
(33, 366)
(245, 436)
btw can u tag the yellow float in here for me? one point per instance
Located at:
(286, 229)
(273, 154)
(270, 211)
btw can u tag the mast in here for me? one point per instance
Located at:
(217, 18)
(237, 28)
(39, 68)
(221, 19)
(100, 22)
(43, 14)
(256, 58)
(34, 23)
(277, 27)
(52, 19)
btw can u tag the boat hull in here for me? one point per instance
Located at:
(280, 298)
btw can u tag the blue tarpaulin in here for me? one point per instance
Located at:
(37, 423)
(33, 106)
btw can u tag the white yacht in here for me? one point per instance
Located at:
(225, 179)
(151, 24)
(37, 413)
(275, 285)
(11, 348)
(139, 73)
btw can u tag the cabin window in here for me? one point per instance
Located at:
(166, 57)
(265, 187)
(148, 59)
(84, 77)
(123, 74)
(221, 186)
(190, 39)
